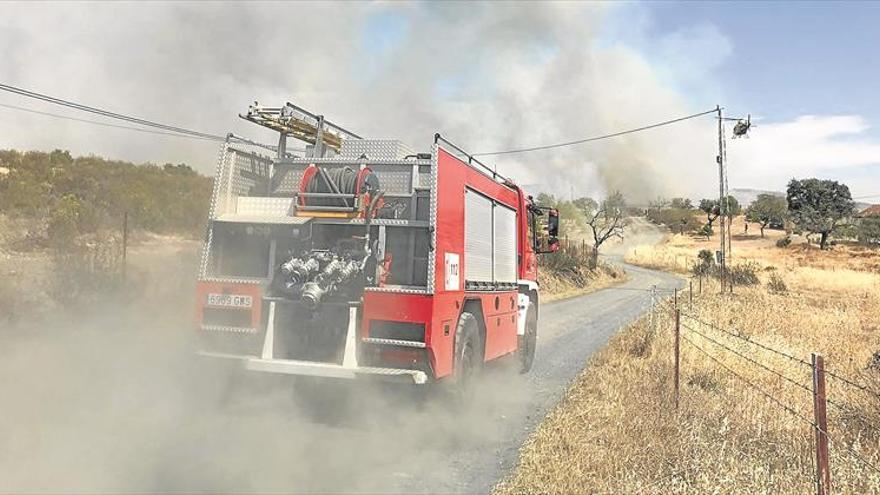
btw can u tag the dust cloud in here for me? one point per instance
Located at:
(638, 232)
(490, 76)
(113, 400)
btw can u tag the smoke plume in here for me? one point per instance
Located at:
(490, 76)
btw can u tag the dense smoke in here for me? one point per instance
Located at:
(489, 76)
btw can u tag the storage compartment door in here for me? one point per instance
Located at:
(504, 234)
(477, 237)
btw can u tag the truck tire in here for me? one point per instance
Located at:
(468, 355)
(528, 342)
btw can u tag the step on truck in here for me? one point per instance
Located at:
(356, 258)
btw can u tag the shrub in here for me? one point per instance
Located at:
(706, 231)
(869, 230)
(86, 272)
(705, 380)
(784, 242)
(776, 285)
(705, 263)
(63, 225)
(677, 219)
(744, 273)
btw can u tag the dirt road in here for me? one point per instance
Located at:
(119, 406)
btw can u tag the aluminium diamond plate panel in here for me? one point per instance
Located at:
(263, 206)
(375, 149)
(290, 181)
(424, 176)
(247, 168)
(432, 218)
(393, 179)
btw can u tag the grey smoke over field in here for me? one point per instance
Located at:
(489, 76)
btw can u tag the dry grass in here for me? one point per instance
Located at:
(555, 287)
(679, 252)
(617, 430)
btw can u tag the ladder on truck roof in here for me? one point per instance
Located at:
(297, 122)
(323, 135)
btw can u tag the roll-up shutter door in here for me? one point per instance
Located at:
(504, 235)
(477, 237)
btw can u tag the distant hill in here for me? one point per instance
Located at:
(746, 196)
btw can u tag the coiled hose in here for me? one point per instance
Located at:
(341, 180)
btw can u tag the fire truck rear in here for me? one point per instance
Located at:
(359, 257)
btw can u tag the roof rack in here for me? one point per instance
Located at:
(470, 158)
(292, 120)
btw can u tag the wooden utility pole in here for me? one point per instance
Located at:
(823, 474)
(721, 199)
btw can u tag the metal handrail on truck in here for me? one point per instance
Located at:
(471, 160)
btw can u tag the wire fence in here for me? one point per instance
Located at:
(715, 342)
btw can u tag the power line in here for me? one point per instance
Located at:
(106, 113)
(167, 130)
(104, 124)
(597, 138)
(148, 131)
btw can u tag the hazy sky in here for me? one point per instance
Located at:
(490, 76)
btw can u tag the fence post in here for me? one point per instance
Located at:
(701, 284)
(691, 294)
(677, 353)
(823, 474)
(675, 301)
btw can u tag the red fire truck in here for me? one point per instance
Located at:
(359, 257)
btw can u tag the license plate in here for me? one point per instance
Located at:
(230, 300)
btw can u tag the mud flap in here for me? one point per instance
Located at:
(349, 358)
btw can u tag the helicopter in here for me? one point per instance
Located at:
(742, 127)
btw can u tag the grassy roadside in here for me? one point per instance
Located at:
(556, 285)
(617, 430)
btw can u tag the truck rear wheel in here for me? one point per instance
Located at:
(529, 341)
(468, 354)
